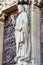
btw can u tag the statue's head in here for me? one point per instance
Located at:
(20, 8)
(26, 7)
(12, 16)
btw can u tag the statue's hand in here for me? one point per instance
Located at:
(21, 29)
(15, 59)
(18, 28)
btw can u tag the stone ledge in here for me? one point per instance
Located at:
(11, 9)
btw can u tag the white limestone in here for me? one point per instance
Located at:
(1, 40)
(35, 35)
(22, 36)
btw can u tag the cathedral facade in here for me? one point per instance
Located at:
(21, 32)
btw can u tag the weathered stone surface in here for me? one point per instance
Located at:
(41, 44)
(35, 35)
(35, 31)
(9, 45)
(1, 40)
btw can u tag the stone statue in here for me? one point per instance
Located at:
(13, 20)
(22, 35)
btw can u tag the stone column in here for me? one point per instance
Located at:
(35, 34)
(1, 36)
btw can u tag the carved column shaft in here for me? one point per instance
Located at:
(1, 36)
(35, 34)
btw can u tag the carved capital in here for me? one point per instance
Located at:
(2, 17)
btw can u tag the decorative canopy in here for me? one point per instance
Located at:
(4, 4)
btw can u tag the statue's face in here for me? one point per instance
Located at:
(12, 16)
(20, 8)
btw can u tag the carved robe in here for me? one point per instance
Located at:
(22, 36)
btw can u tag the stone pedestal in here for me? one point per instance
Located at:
(35, 34)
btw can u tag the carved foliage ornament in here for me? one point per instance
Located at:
(1, 6)
(1, 0)
(10, 2)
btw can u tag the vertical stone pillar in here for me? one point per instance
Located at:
(35, 34)
(1, 36)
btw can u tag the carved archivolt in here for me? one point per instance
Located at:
(1, 6)
(6, 3)
(1, 0)
(10, 2)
